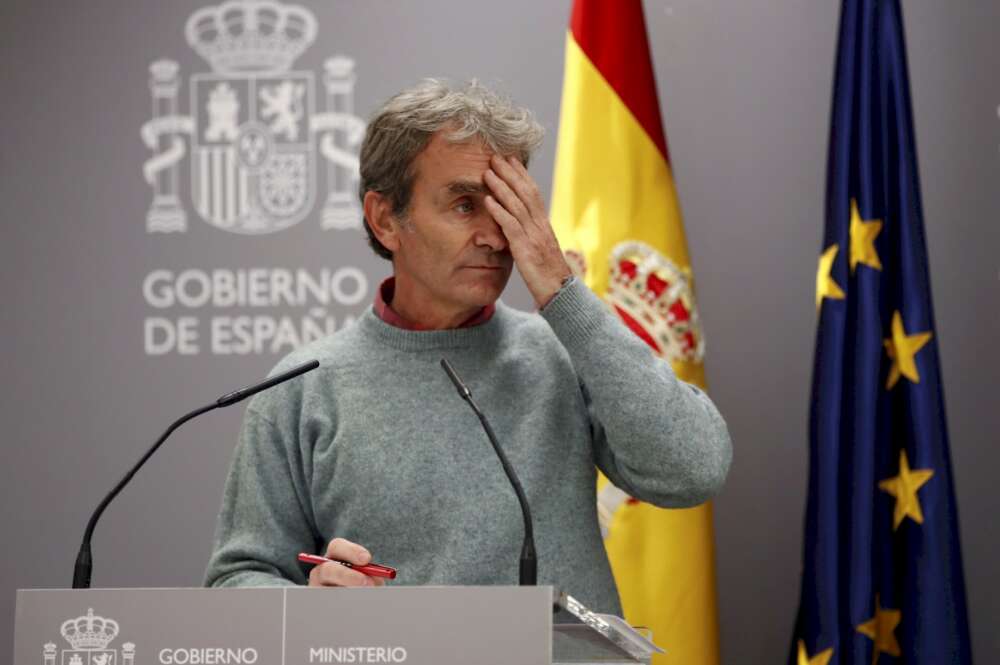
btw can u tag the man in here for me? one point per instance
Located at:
(373, 454)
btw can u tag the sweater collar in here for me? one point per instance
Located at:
(483, 335)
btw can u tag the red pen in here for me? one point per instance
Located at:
(373, 569)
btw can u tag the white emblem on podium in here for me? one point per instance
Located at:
(89, 638)
(252, 129)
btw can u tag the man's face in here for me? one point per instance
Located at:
(452, 255)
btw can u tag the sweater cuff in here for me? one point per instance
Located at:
(575, 313)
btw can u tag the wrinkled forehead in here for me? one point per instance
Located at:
(453, 167)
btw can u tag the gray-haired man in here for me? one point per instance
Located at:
(374, 454)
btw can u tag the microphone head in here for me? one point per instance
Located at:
(463, 390)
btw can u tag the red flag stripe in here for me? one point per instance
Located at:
(613, 36)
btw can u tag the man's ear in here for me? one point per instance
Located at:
(378, 212)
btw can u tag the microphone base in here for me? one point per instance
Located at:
(83, 568)
(528, 574)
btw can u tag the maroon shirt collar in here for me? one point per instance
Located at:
(384, 311)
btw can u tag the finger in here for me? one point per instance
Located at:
(345, 550)
(510, 175)
(517, 176)
(518, 165)
(520, 168)
(508, 223)
(506, 196)
(335, 574)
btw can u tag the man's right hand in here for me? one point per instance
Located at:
(334, 574)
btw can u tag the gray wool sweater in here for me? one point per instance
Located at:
(377, 447)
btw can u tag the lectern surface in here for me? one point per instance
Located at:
(279, 626)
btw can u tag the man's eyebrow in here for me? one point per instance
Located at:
(465, 187)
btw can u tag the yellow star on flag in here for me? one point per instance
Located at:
(901, 349)
(822, 658)
(880, 629)
(825, 286)
(904, 487)
(863, 235)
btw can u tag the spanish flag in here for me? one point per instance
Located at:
(616, 214)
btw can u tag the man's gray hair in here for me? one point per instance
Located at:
(400, 130)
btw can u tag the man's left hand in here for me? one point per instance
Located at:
(517, 206)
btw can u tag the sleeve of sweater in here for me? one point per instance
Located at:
(263, 522)
(655, 437)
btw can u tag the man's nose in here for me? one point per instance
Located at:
(489, 234)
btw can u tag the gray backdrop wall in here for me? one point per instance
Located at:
(745, 88)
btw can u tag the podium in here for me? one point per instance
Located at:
(302, 626)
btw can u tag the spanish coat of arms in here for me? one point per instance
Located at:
(252, 129)
(89, 639)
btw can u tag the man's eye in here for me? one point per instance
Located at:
(464, 207)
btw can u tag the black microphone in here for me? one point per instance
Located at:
(84, 563)
(529, 563)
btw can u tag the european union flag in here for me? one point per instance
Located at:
(882, 575)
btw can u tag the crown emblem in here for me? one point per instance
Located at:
(89, 632)
(262, 36)
(654, 298)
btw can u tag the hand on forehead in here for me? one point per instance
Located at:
(454, 168)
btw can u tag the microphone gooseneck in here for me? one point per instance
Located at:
(84, 561)
(528, 573)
